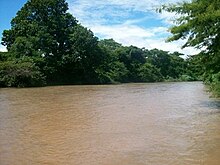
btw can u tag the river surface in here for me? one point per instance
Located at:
(127, 124)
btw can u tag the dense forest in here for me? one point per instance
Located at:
(47, 46)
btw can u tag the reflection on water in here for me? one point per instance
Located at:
(128, 124)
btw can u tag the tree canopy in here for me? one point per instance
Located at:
(46, 45)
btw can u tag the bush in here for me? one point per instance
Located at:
(185, 77)
(20, 73)
(215, 84)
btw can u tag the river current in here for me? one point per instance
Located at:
(127, 124)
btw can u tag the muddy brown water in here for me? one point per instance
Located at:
(128, 124)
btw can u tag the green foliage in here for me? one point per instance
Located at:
(149, 73)
(213, 80)
(133, 58)
(113, 72)
(110, 44)
(186, 77)
(111, 67)
(40, 25)
(47, 45)
(170, 65)
(199, 23)
(3, 56)
(195, 68)
(20, 73)
(86, 56)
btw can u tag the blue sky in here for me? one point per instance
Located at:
(129, 22)
(8, 10)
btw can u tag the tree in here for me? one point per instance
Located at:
(88, 56)
(45, 42)
(3, 56)
(149, 73)
(110, 44)
(199, 24)
(195, 67)
(41, 26)
(112, 69)
(41, 30)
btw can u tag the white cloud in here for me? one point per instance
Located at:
(88, 11)
(121, 31)
(3, 48)
(117, 19)
(149, 38)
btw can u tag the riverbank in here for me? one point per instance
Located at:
(214, 89)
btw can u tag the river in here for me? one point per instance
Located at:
(127, 124)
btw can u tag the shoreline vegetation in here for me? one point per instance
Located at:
(47, 46)
(122, 65)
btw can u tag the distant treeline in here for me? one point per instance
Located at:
(47, 46)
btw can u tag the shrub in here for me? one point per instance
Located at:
(20, 73)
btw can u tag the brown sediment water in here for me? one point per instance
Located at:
(127, 124)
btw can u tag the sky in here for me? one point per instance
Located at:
(129, 22)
